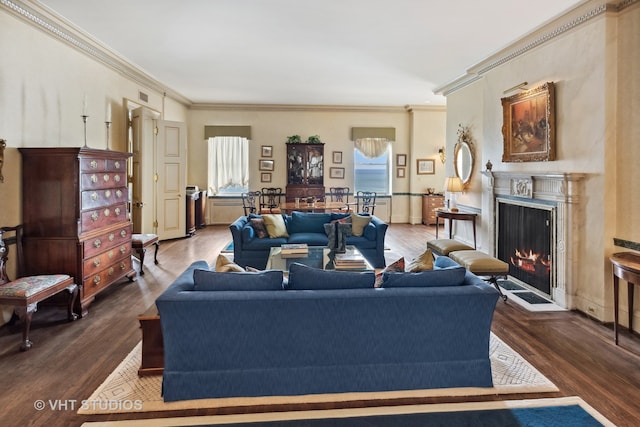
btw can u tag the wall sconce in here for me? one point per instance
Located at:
(443, 155)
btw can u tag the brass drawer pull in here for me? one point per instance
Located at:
(94, 196)
(116, 178)
(95, 216)
(112, 237)
(119, 193)
(122, 266)
(111, 270)
(117, 164)
(107, 194)
(110, 255)
(107, 212)
(117, 211)
(94, 178)
(93, 164)
(96, 262)
(96, 280)
(123, 233)
(123, 250)
(97, 243)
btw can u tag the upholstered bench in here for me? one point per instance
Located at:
(445, 246)
(482, 265)
(139, 243)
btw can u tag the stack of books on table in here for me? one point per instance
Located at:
(294, 250)
(350, 261)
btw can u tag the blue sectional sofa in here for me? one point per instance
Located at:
(304, 227)
(247, 335)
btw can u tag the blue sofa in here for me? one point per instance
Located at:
(303, 227)
(326, 332)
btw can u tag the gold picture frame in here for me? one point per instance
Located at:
(267, 151)
(336, 173)
(426, 166)
(265, 165)
(528, 125)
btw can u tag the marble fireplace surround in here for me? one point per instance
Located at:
(562, 191)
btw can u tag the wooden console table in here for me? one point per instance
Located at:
(152, 343)
(458, 216)
(626, 266)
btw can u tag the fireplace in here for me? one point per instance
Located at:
(533, 224)
(524, 242)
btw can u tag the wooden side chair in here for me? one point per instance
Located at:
(340, 194)
(270, 200)
(250, 202)
(25, 293)
(366, 201)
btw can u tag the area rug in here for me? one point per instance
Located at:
(560, 412)
(124, 391)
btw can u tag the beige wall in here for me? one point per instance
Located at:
(270, 125)
(595, 69)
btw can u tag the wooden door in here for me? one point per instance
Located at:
(171, 176)
(143, 124)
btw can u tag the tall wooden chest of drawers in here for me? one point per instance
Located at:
(76, 222)
(431, 202)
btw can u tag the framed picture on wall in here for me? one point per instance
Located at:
(337, 157)
(265, 177)
(426, 166)
(528, 125)
(337, 173)
(401, 173)
(265, 165)
(401, 160)
(267, 151)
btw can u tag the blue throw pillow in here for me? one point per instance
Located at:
(453, 276)
(308, 222)
(268, 280)
(302, 277)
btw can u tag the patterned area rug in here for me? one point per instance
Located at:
(557, 412)
(124, 391)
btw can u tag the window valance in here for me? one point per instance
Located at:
(364, 132)
(213, 131)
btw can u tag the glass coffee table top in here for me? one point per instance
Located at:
(317, 257)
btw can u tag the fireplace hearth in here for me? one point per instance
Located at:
(532, 223)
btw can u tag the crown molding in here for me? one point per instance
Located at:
(295, 107)
(54, 25)
(573, 18)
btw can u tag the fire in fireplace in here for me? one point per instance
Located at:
(524, 242)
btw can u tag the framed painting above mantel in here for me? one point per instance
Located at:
(528, 126)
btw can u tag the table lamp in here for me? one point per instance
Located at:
(453, 185)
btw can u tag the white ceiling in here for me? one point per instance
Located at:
(322, 52)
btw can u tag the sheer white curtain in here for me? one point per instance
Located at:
(228, 164)
(372, 148)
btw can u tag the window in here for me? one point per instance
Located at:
(228, 165)
(372, 174)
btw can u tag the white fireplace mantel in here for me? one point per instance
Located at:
(564, 190)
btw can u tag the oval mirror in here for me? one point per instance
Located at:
(463, 162)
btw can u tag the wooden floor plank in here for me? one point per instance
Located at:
(69, 360)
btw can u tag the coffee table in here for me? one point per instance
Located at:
(318, 257)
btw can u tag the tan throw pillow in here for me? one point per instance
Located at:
(225, 265)
(423, 262)
(358, 223)
(396, 267)
(275, 225)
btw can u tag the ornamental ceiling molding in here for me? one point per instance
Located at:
(537, 37)
(56, 27)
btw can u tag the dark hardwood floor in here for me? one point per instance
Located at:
(70, 360)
